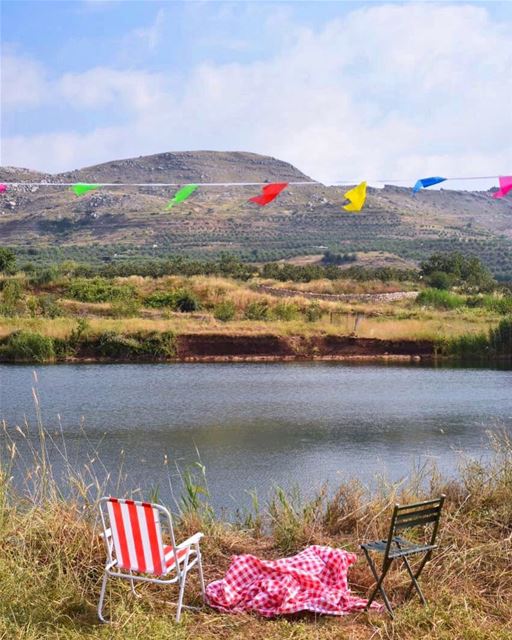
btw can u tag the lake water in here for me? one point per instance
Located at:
(257, 425)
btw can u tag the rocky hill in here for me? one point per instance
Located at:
(48, 222)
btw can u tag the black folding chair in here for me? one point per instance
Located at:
(411, 516)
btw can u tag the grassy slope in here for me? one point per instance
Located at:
(393, 320)
(428, 326)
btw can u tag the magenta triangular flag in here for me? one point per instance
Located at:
(505, 187)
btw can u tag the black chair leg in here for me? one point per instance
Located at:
(414, 582)
(378, 586)
(415, 577)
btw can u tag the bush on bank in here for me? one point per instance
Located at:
(497, 343)
(26, 346)
(110, 344)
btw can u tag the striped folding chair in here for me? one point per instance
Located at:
(133, 534)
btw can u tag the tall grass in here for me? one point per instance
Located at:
(496, 343)
(440, 299)
(27, 346)
(51, 555)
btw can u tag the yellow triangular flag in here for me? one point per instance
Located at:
(357, 197)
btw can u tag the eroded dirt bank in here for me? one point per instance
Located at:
(218, 347)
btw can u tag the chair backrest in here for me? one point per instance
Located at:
(418, 514)
(136, 534)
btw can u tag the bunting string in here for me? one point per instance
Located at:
(152, 184)
(356, 196)
(344, 182)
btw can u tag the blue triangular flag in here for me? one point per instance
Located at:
(423, 183)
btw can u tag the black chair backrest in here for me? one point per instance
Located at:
(419, 514)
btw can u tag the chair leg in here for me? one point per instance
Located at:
(102, 597)
(378, 586)
(201, 574)
(132, 585)
(415, 576)
(183, 579)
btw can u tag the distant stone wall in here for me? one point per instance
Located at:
(341, 297)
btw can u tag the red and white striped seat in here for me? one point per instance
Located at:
(133, 535)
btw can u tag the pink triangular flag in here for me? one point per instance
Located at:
(505, 187)
(3, 187)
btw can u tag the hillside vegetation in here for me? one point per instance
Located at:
(45, 224)
(72, 311)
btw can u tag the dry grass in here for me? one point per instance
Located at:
(385, 320)
(371, 324)
(343, 286)
(51, 559)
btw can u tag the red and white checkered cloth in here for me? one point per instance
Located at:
(313, 580)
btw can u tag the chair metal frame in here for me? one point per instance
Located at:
(410, 516)
(176, 561)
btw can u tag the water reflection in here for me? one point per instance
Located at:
(259, 424)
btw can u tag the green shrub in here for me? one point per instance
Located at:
(440, 299)
(461, 269)
(501, 337)
(110, 344)
(42, 277)
(313, 312)
(467, 346)
(7, 260)
(185, 301)
(76, 335)
(474, 302)
(257, 311)
(126, 307)
(498, 342)
(180, 300)
(503, 305)
(99, 290)
(224, 311)
(160, 345)
(114, 345)
(26, 346)
(12, 293)
(285, 311)
(63, 348)
(161, 299)
(49, 307)
(440, 280)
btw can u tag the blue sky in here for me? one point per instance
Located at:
(341, 89)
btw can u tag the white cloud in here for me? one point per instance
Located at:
(389, 91)
(100, 87)
(24, 82)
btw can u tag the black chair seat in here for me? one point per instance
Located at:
(399, 547)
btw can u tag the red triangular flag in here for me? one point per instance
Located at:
(270, 192)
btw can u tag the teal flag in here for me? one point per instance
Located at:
(80, 188)
(182, 194)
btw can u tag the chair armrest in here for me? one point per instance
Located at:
(190, 541)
